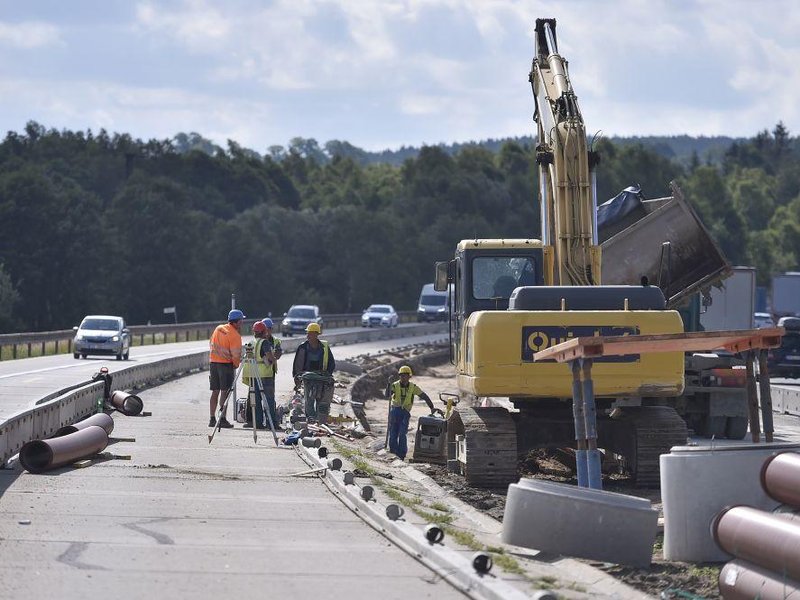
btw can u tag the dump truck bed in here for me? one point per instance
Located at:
(664, 240)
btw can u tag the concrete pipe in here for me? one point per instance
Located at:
(322, 452)
(127, 404)
(334, 464)
(740, 580)
(41, 455)
(310, 442)
(780, 478)
(759, 537)
(100, 419)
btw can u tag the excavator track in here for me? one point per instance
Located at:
(643, 434)
(482, 446)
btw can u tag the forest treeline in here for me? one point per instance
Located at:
(99, 223)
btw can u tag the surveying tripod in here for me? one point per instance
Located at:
(255, 393)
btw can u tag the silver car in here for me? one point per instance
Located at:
(101, 334)
(298, 317)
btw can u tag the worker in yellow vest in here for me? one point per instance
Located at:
(401, 394)
(267, 351)
(314, 365)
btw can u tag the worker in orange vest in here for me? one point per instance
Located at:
(225, 356)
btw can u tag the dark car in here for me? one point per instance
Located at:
(785, 361)
(298, 317)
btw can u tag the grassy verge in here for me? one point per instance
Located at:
(36, 349)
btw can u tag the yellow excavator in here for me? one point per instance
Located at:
(513, 297)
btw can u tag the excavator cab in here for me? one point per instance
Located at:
(483, 276)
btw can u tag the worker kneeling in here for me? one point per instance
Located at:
(402, 394)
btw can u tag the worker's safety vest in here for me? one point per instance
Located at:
(404, 396)
(225, 345)
(263, 368)
(325, 353)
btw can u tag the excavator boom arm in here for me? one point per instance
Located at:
(566, 169)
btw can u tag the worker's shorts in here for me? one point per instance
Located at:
(220, 376)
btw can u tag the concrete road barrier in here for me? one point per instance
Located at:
(65, 407)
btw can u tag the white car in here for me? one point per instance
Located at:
(379, 315)
(763, 319)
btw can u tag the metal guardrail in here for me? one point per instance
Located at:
(23, 345)
(71, 404)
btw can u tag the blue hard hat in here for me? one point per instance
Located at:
(268, 322)
(235, 315)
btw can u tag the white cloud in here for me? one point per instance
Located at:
(28, 35)
(142, 112)
(198, 26)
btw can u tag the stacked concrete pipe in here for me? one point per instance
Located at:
(766, 546)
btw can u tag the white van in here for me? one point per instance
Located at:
(432, 304)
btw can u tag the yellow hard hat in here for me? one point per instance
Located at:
(313, 328)
(405, 370)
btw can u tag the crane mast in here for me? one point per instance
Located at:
(567, 189)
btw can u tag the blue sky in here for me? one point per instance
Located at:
(386, 73)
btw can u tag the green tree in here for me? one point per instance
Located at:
(9, 297)
(753, 192)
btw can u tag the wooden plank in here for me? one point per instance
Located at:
(699, 341)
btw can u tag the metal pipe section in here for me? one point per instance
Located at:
(543, 208)
(739, 580)
(595, 233)
(552, 47)
(759, 537)
(127, 404)
(100, 419)
(41, 455)
(580, 424)
(593, 462)
(780, 478)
